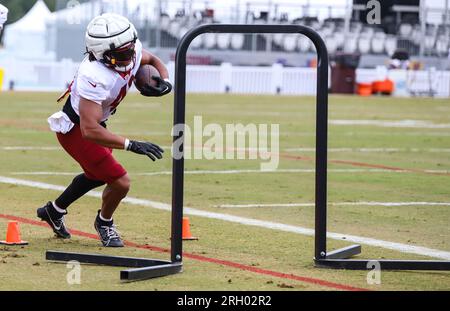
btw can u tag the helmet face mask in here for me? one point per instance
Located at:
(121, 59)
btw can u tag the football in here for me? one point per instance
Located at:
(144, 76)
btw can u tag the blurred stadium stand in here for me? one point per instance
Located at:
(419, 31)
(343, 27)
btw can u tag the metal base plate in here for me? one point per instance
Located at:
(344, 253)
(353, 264)
(151, 272)
(143, 268)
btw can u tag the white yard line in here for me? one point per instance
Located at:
(144, 133)
(21, 148)
(370, 150)
(45, 173)
(42, 148)
(392, 123)
(404, 248)
(231, 172)
(336, 204)
(390, 133)
(299, 149)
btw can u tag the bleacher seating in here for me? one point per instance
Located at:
(365, 39)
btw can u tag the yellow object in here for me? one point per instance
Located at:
(1, 78)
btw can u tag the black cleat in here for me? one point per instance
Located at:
(108, 233)
(54, 219)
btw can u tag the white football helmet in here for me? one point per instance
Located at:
(110, 39)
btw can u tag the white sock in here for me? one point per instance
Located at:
(104, 219)
(59, 210)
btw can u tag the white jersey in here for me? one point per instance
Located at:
(102, 85)
(3, 15)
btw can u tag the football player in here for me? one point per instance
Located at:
(114, 55)
(3, 15)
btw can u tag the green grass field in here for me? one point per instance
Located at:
(364, 167)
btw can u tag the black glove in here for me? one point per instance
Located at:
(145, 148)
(162, 88)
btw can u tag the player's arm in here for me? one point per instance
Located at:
(163, 86)
(150, 59)
(90, 117)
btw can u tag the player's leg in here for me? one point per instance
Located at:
(113, 195)
(100, 167)
(104, 223)
(53, 212)
(101, 164)
(79, 187)
(79, 149)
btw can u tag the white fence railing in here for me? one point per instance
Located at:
(410, 82)
(55, 76)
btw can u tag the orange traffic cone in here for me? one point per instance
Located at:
(13, 235)
(187, 235)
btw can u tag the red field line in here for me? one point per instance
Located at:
(232, 264)
(351, 163)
